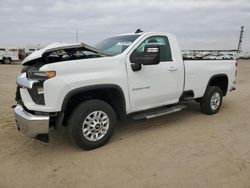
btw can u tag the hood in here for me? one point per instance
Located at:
(59, 46)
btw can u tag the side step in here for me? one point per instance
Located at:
(157, 113)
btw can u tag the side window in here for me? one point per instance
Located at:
(162, 41)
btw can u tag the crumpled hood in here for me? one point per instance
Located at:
(57, 46)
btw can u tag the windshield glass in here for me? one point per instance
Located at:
(116, 45)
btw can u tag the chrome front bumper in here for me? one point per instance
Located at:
(35, 126)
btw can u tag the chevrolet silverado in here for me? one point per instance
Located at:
(87, 89)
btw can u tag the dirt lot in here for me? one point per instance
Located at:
(186, 149)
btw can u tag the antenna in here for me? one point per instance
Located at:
(240, 39)
(76, 35)
(138, 31)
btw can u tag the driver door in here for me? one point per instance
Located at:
(153, 85)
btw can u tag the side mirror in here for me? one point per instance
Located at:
(150, 56)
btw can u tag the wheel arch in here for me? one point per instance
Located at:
(219, 80)
(110, 93)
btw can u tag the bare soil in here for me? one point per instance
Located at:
(186, 149)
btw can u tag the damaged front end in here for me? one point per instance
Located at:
(35, 122)
(29, 123)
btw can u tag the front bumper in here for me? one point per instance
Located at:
(35, 126)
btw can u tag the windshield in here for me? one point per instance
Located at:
(116, 45)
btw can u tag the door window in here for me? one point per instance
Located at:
(162, 41)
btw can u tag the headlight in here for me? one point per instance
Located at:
(41, 75)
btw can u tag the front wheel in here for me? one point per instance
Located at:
(92, 124)
(211, 101)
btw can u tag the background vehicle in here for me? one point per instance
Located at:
(228, 56)
(219, 56)
(88, 89)
(8, 55)
(30, 48)
(199, 56)
(210, 57)
(188, 56)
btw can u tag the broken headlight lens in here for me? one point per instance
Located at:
(41, 75)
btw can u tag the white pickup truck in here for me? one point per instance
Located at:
(8, 55)
(89, 88)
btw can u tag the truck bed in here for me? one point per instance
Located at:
(197, 73)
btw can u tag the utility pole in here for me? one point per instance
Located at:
(76, 35)
(240, 39)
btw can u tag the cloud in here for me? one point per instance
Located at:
(198, 24)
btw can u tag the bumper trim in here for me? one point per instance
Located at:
(29, 124)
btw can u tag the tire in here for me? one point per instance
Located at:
(97, 118)
(207, 105)
(6, 60)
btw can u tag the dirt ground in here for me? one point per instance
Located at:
(186, 149)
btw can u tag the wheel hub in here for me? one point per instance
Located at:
(215, 101)
(95, 125)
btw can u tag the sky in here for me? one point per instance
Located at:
(198, 24)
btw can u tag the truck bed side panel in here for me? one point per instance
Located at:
(199, 72)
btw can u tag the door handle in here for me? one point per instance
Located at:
(172, 68)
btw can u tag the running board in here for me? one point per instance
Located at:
(157, 113)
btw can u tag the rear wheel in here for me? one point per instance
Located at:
(211, 101)
(92, 124)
